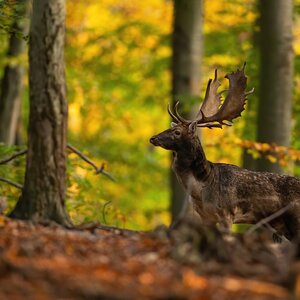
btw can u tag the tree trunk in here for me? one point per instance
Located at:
(186, 61)
(276, 72)
(44, 189)
(11, 85)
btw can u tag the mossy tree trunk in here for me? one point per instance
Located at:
(43, 196)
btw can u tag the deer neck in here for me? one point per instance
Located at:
(191, 160)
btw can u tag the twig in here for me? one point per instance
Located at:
(274, 231)
(87, 160)
(8, 159)
(73, 149)
(15, 184)
(103, 210)
(96, 225)
(268, 219)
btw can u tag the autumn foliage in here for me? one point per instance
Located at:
(118, 76)
(110, 263)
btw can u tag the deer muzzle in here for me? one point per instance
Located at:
(154, 140)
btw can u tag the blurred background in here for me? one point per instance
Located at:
(125, 61)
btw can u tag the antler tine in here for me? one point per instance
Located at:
(182, 120)
(243, 68)
(172, 115)
(249, 92)
(212, 125)
(175, 115)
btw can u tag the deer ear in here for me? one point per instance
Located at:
(173, 124)
(193, 127)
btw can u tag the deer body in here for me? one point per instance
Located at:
(224, 193)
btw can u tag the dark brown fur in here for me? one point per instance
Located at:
(226, 194)
(223, 193)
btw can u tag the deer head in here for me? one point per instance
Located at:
(212, 113)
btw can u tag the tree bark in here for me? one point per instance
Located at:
(11, 84)
(276, 73)
(43, 194)
(186, 61)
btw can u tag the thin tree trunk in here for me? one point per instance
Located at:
(276, 76)
(44, 189)
(11, 85)
(187, 50)
(250, 114)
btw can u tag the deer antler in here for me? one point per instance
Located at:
(175, 116)
(212, 110)
(233, 104)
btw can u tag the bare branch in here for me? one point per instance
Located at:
(8, 159)
(87, 160)
(15, 184)
(99, 170)
(268, 219)
(82, 156)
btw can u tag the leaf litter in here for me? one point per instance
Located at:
(101, 262)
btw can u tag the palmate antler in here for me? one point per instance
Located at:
(213, 112)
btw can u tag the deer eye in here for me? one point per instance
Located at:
(177, 132)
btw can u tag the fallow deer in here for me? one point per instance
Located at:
(222, 193)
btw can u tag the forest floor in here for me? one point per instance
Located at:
(50, 262)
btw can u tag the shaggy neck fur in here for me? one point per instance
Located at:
(191, 159)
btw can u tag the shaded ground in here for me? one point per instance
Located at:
(39, 262)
